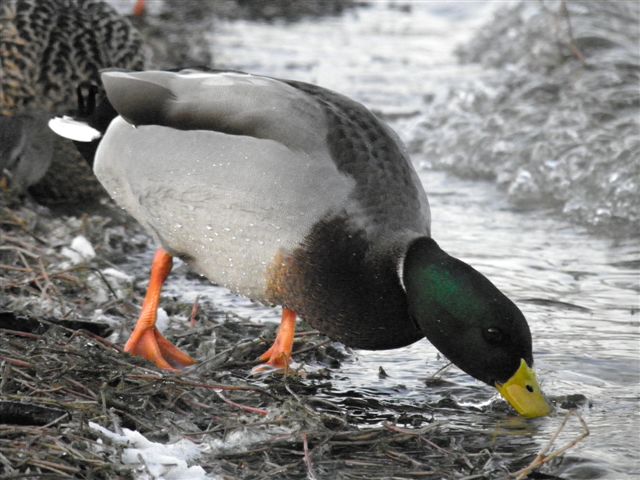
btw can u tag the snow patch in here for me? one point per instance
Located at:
(79, 251)
(156, 460)
(239, 440)
(110, 282)
(162, 320)
(170, 461)
(117, 274)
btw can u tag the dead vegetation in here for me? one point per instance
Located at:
(60, 372)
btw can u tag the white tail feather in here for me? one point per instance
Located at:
(72, 129)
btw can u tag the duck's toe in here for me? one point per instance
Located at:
(153, 346)
(278, 357)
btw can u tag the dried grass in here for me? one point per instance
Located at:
(60, 372)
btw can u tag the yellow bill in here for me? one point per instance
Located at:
(523, 393)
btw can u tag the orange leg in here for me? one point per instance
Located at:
(145, 340)
(279, 355)
(139, 8)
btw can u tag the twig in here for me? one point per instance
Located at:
(143, 462)
(307, 458)
(58, 468)
(207, 386)
(7, 464)
(543, 458)
(420, 432)
(19, 333)
(48, 284)
(15, 362)
(57, 420)
(20, 223)
(572, 43)
(246, 408)
(105, 281)
(404, 457)
(439, 372)
(21, 250)
(194, 311)
(298, 399)
(15, 269)
(101, 340)
(6, 376)
(311, 347)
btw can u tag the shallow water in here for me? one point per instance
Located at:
(579, 291)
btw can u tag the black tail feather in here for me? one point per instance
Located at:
(95, 109)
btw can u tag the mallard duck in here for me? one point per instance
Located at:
(294, 195)
(47, 48)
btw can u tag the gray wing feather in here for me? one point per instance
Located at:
(227, 102)
(239, 199)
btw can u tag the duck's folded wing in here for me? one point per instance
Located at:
(226, 102)
(225, 200)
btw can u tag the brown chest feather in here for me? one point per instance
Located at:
(336, 283)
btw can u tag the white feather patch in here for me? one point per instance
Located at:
(401, 272)
(72, 129)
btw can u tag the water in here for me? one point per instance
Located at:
(555, 117)
(579, 291)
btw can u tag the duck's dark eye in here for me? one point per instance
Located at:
(493, 335)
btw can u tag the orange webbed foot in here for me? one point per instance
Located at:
(152, 345)
(278, 357)
(146, 340)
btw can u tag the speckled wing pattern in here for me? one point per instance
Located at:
(367, 150)
(47, 47)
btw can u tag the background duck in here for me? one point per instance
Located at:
(297, 196)
(47, 49)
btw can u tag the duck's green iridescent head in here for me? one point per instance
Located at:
(473, 324)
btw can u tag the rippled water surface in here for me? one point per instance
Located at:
(579, 291)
